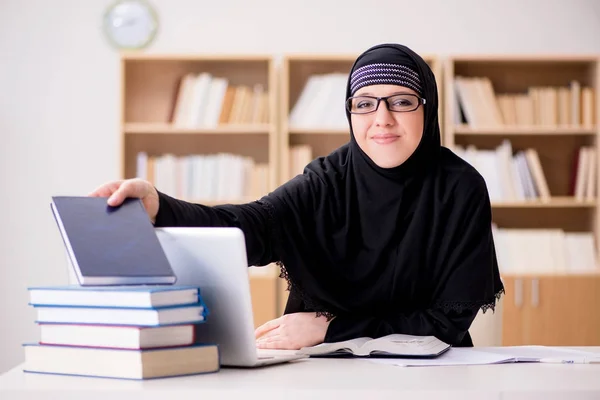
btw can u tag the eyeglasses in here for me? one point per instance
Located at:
(395, 103)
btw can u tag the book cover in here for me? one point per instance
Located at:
(111, 245)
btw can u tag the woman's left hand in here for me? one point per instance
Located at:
(292, 331)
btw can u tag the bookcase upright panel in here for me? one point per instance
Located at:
(523, 122)
(203, 128)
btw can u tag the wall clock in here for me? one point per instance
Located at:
(130, 24)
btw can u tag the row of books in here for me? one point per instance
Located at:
(205, 177)
(300, 156)
(519, 176)
(549, 106)
(552, 251)
(321, 103)
(207, 101)
(126, 332)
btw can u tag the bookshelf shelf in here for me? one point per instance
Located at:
(160, 128)
(318, 131)
(557, 275)
(554, 202)
(524, 130)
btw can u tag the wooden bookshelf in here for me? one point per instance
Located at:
(167, 128)
(534, 102)
(151, 85)
(157, 119)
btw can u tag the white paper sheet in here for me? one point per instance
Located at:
(496, 355)
(535, 353)
(454, 356)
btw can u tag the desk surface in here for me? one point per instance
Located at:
(330, 379)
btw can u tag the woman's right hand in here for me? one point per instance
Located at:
(118, 191)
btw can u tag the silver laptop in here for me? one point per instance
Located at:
(215, 260)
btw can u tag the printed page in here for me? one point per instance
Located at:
(325, 348)
(406, 345)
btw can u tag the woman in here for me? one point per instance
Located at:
(390, 233)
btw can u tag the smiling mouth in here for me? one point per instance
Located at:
(385, 139)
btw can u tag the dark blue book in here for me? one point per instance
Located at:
(111, 245)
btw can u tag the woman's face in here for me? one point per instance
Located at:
(388, 137)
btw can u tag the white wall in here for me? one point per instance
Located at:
(59, 83)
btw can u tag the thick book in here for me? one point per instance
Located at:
(111, 245)
(142, 296)
(117, 337)
(119, 363)
(395, 345)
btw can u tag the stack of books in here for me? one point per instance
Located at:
(127, 332)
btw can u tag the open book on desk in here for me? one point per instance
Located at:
(396, 345)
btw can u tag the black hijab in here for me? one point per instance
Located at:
(357, 239)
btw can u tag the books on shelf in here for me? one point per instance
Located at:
(479, 105)
(519, 176)
(102, 332)
(207, 101)
(394, 345)
(585, 182)
(300, 156)
(546, 251)
(205, 177)
(321, 103)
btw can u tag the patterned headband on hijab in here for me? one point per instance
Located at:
(385, 73)
(386, 64)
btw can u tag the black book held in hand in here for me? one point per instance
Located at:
(111, 245)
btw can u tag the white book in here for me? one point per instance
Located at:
(117, 337)
(299, 110)
(199, 100)
(214, 103)
(142, 165)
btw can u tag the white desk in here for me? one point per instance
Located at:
(327, 379)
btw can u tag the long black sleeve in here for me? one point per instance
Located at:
(450, 328)
(252, 218)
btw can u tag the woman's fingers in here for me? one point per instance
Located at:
(106, 189)
(135, 188)
(266, 327)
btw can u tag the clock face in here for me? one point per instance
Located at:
(130, 24)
